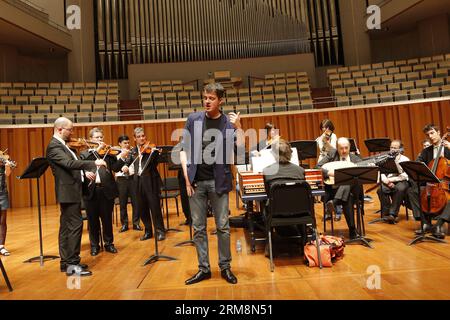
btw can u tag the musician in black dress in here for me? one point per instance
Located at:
(100, 193)
(342, 195)
(5, 172)
(426, 156)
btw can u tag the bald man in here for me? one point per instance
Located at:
(67, 169)
(342, 195)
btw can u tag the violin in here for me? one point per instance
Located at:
(109, 150)
(435, 196)
(80, 143)
(148, 148)
(4, 159)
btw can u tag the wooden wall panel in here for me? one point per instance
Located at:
(397, 122)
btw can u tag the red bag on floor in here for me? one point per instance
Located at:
(331, 250)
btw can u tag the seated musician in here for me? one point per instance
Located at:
(393, 186)
(283, 171)
(342, 195)
(427, 155)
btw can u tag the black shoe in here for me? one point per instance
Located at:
(146, 236)
(137, 227)
(353, 234)
(229, 276)
(82, 266)
(123, 229)
(338, 218)
(111, 249)
(438, 232)
(95, 251)
(390, 219)
(161, 236)
(425, 229)
(76, 270)
(200, 276)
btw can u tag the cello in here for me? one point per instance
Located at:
(434, 197)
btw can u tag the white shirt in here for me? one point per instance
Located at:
(130, 170)
(397, 177)
(435, 151)
(347, 158)
(325, 149)
(73, 153)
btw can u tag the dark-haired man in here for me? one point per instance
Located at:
(206, 162)
(426, 156)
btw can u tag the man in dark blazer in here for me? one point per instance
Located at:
(426, 156)
(67, 170)
(342, 195)
(148, 185)
(99, 195)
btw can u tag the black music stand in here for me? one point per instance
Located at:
(35, 170)
(5, 276)
(305, 149)
(357, 176)
(378, 144)
(353, 147)
(388, 167)
(164, 159)
(175, 167)
(420, 173)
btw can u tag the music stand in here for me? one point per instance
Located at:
(420, 173)
(305, 149)
(175, 167)
(378, 144)
(35, 170)
(387, 167)
(353, 147)
(357, 176)
(5, 276)
(165, 159)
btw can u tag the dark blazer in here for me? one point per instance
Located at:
(66, 171)
(150, 170)
(192, 144)
(426, 155)
(284, 172)
(106, 176)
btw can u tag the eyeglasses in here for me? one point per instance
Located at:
(68, 129)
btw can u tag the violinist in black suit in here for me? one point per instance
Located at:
(426, 156)
(100, 193)
(148, 185)
(342, 195)
(67, 170)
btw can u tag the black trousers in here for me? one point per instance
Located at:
(100, 208)
(70, 230)
(149, 204)
(391, 199)
(184, 196)
(344, 195)
(127, 190)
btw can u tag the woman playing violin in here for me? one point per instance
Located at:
(5, 171)
(99, 192)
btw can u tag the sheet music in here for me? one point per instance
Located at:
(267, 158)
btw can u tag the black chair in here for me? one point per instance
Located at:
(170, 190)
(290, 204)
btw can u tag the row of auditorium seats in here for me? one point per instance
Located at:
(38, 100)
(59, 85)
(58, 92)
(389, 64)
(409, 85)
(253, 108)
(393, 96)
(59, 108)
(40, 118)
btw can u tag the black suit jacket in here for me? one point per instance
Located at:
(426, 155)
(150, 172)
(67, 172)
(285, 172)
(106, 176)
(333, 156)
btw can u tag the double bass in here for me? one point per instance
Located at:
(434, 197)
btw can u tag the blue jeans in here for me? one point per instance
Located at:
(204, 191)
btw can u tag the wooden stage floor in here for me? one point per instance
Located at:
(417, 272)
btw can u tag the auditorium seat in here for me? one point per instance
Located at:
(401, 95)
(97, 117)
(51, 118)
(58, 109)
(242, 108)
(71, 108)
(371, 98)
(28, 109)
(14, 109)
(149, 114)
(22, 118)
(267, 107)
(357, 100)
(6, 119)
(386, 97)
(280, 107)
(432, 92)
(342, 101)
(307, 104)
(83, 117)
